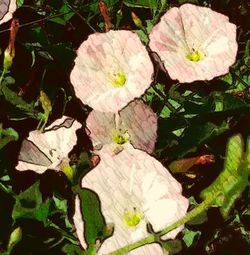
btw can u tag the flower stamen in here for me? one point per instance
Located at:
(120, 137)
(195, 55)
(132, 217)
(118, 79)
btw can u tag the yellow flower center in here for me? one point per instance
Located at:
(118, 79)
(195, 55)
(132, 218)
(120, 137)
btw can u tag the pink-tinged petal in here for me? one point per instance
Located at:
(99, 58)
(137, 120)
(101, 127)
(79, 223)
(193, 27)
(41, 151)
(141, 123)
(133, 179)
(7, 8)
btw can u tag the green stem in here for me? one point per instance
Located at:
(79, 15)
(6, 190)
(64, 233)
(2, 75)
(156, 237)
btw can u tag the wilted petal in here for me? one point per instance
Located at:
(111, 69)
(41, 151)
(194, 43)
(133, 181)
(141, 124)
(7, 7)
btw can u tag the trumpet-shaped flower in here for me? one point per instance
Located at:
(111, 69)
(134, 190)
(194, 43)
(7, 7)
(49, 150)
(136, 123)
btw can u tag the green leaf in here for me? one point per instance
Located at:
(94, 223)
(15, 100)
(19, 3)
(62, 208)
(152, 4)
(203, 133)
(29, 204)
(68, 14)
(7, 135)
(234, 178)
(172, 246)
(72, 249)
(225, 102)
(93, 8)
(190, 236)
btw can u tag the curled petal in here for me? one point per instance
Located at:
(41, 151)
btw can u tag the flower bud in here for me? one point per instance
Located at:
(9, 53)
(69, 171)
(15, 237)
(136, 20)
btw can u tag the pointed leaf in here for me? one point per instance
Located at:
(94, 222)
(29, 204)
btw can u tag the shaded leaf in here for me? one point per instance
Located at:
(72, 249)
(7, 135)
(29, 204)
(190, 236)
(94, 222)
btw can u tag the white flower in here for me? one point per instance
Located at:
(111, 69)
(136, 123)
(134, 189)
(194, 43)
(7, 7)
(48, 150)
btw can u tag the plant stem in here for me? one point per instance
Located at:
(70, 238)
(155, 237)
(6, 190)
(1, 78)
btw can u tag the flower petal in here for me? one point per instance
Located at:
(190, 27)
(102, 55)
(136, 119)
(79, 223)
(141, 123)
(163, 212)
(41, 151)
(7, 7)
(123, 181)
(101, 127)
